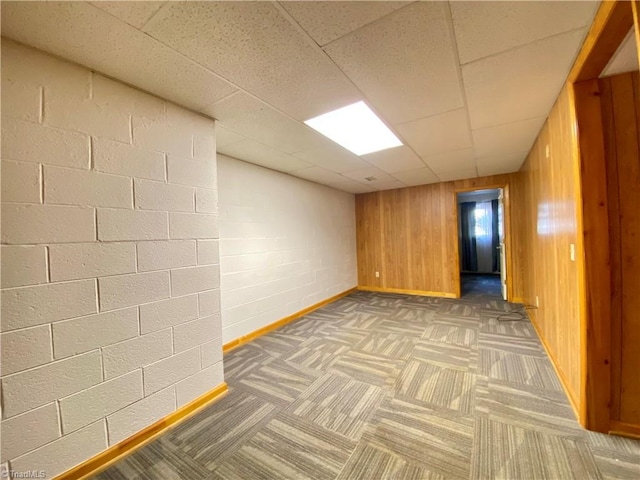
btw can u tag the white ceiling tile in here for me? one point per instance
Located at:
(134, 13)
(388, 185)
(520, 83)
(458, 174)
(440, 133)
(407, 72)
(254, 152)
(454, 160)
(255, 119)
(404, 63)
(333, 157)
(420, 176)
(352, 186)
(625, 59)
(512, 24)
(496, 165)
(252, 45)
(91, 37)
(362, 174)
(225, 137)
(508, 138)
(393, 160)
(326, 21)
(320, 175)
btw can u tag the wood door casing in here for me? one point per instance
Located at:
(620, 104)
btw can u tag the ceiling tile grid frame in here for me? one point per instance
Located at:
(106, 36)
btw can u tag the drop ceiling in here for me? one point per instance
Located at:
(465, 85)
(625, 59)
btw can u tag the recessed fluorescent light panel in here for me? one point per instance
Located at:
(356, 128)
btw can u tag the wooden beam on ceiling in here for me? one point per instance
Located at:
(612, 22)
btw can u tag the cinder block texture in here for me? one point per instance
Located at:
(171, 370)
(126, 225)
(124, 290)
(84, 334)
(21, 182)
(123, 357)
(164, 196)
(23, 266)
(193, 225)
(24, 224)
(277, 255)
(30, 142)
(90, 260)
(124, 159)
(209, 302)
(186, 171)
(90, 188)
(109, 234)
(33, 388)
(191, 334)
(42, 425)
(167, 313)
(194, 279)
(65, 452)
(211, 352)
(141, 414)
(25, 348)
(29, 306)
(206, 200)
(97, 402)
(161, 255)
(199, 383)
(208, 252)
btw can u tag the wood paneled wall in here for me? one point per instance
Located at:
(410, 236)
(620, 104)
(546, 197)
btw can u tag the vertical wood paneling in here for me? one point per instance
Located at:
(410, 235)
(620, 105)
(545, 197)
(595, 221)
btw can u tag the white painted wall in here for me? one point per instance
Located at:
(110, 265)
(285, 244)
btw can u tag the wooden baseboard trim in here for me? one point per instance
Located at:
(117, 452)
(227, 347)
(422, 293)
(559, 372)
(517, 300)
(624, 429)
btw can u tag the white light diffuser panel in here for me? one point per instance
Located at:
(356, 128)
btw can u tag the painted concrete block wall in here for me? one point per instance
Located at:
(110, 271)
(285, 244)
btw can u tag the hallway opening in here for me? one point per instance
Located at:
(481, 241)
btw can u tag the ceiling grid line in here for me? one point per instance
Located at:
(452, 38)
(261, 69)
(294, 22)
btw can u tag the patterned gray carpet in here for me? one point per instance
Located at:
(378, 386)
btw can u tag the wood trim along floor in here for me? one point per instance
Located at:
(423, 293)
(624, 429)
(227, 347)
(113, 454)
(563, 379)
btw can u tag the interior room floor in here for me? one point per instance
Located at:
(379, 386)
(485, 283)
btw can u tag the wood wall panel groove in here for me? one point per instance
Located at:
(416, 245)
(620, 106)
(546, 197)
